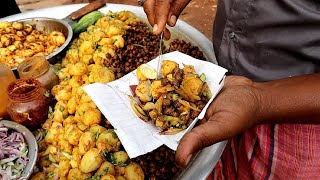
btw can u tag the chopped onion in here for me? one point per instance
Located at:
(13, 154)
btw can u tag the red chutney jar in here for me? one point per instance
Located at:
(28, 103)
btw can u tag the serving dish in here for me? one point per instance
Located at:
(47, 25)
(205, 160)
(32, 145)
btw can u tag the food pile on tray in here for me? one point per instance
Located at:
(20, 41)
(76, 141)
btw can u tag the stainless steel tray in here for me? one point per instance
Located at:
(203, 162)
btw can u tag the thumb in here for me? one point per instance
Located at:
(176, 8)
(200, 137)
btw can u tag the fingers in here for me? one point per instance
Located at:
(201, 121)
(199, 138)
(152, 11)
(175, 10)
(162, 8)
(149, 6)
(166, 34)
(161, 12)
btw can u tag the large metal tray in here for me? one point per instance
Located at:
(203, 162)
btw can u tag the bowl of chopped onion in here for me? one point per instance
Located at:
(18, 151)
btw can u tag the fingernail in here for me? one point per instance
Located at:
(188, 159)
(155, 28)
(173, 19)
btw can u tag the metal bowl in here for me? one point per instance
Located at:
(47, 25)
(32, 145)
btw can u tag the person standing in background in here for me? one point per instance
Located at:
(8, 7)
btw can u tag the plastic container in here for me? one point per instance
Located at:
(6, 77)
(39, 68)
(28, 103)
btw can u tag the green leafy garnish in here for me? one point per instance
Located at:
(105, 155)
(56, 70)
(47, 94)
(138, 45)
(50, 112)
(113, 159)
(51, 175)
(52, 159)
(203, 77)
(114, 135)
(98, 47)
(61, 108)
(66, 154)
(96, 177)
(120, 163)
(96, 136)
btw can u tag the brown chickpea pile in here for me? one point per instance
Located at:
(159, 164)
(19, 41)
(186, 48)
(141, 46)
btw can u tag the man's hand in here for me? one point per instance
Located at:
(243, 103)
(162, 12)
(234, 110)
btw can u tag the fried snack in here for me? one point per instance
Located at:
(179, 97)
(19, 41)
(133, 172)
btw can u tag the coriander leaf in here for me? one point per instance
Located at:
(61, 108)
(47, 93)
(112, 159)
(50, 112)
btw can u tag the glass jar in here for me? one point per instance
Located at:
(39, 68)
(28, 103)
(6, 77)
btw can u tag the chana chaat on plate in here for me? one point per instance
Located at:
(173, 101)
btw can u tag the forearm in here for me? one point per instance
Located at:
(290, 100)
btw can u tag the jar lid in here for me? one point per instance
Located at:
(33, 67)
(23, 90)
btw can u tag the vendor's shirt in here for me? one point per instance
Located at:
(266, 40)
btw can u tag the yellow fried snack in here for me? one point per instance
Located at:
(133, 172)
(143, 91)
(91, 161)
(167, 67)
(106, 168)
(145, 72)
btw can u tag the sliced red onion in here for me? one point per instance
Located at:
(13, 154)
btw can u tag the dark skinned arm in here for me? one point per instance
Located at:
(242, 104)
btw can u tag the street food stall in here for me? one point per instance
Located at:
(47, 65)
